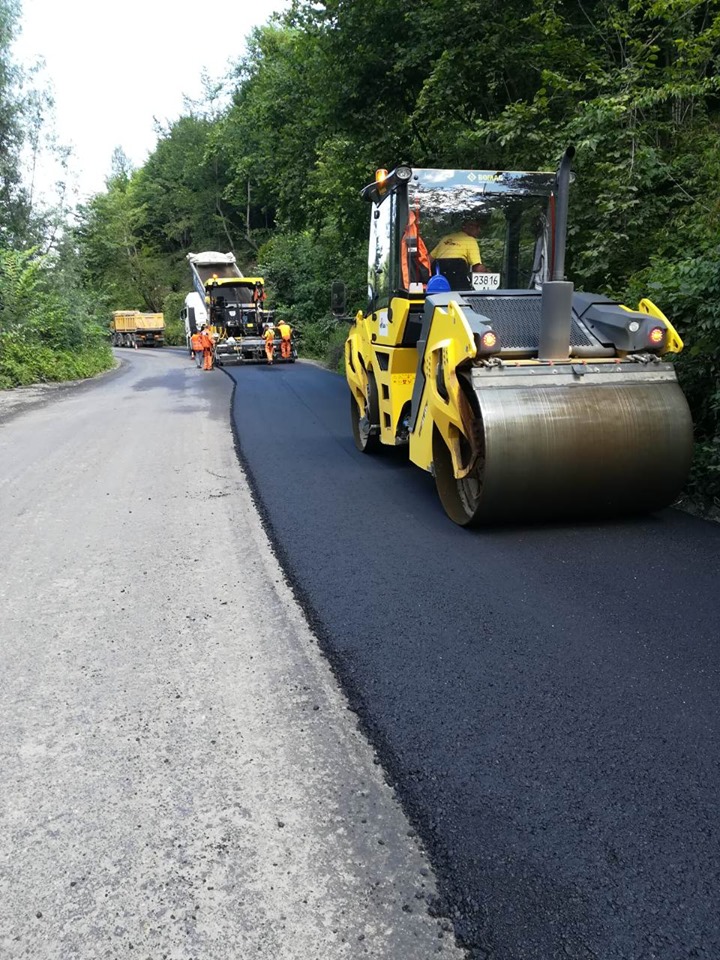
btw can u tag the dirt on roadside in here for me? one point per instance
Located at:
(19, 399)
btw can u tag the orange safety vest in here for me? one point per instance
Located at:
(206, 341)
(285, 330)
(415, 263)
(196, 342)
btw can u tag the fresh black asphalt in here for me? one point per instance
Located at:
(545, 699)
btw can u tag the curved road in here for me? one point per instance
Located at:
(181, 777)
(546, 699)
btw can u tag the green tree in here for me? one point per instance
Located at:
(13, 196)
(180, 191)
(128, 271)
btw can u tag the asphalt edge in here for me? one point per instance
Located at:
(437, 907)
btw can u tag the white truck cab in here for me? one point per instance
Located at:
(194, 315)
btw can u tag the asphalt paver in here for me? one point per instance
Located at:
(545, 698)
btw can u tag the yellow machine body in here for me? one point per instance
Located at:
(151, 321)
(372, 351)
(457, 376)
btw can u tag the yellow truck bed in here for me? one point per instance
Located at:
(150, 321)
(125, 320)
(130, 328)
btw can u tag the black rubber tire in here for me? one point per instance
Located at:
(461, 499)
(364, 441)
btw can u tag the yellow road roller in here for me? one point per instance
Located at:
(524, 398)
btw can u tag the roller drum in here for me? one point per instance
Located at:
(589, 445)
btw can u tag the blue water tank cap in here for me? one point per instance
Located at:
(438, 283)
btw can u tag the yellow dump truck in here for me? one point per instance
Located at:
(130, 328)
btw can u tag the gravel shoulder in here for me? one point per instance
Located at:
(21, 399)
(182, 776)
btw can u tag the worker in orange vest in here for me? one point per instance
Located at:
(258, 295)
(269, 337)
(208, 345)
(285, 331)
(196, 347)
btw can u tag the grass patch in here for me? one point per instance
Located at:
(22, 364)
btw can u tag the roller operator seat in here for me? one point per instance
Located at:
(456, 272)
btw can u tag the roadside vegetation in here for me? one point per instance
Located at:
(271, 164)
(51, 325)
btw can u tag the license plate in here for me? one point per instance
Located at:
(486, 281)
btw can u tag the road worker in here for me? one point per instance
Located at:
(196, 347)
(208, 345)
(258, 295)
(285, 331)
(458, 254)
(269, 337)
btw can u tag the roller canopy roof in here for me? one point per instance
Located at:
(449, 190)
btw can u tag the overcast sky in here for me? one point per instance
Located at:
(113, 68)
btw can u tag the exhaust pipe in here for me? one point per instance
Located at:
(562, 192)
(556, 316)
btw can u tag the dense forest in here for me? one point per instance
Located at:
(270, 166)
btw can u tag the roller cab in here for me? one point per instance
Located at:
(524, 398)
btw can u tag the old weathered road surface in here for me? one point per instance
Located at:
(181, 777)
(547, 699)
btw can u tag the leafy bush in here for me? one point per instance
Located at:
(174, 327)
(323, 340)
(48, 331)
(22, 364)
(299, 268)
(688, 290)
